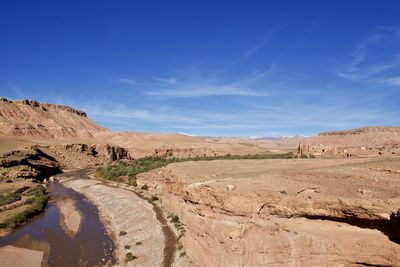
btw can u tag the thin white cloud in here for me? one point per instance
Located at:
(209, 90)
(165, 81)
(373, 58)
(126, 81)
(247, 54)
(123, 112)
(395, 81)
(194, 85)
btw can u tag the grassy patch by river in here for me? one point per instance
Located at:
(35, 201)
(130, 169)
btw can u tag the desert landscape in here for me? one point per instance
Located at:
(202, 201)
(200, 133)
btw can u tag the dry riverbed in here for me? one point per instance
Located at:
(129, 219)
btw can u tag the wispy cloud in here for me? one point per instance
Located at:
(126, 81)
(195, 85)
(248, 53)
(164, 81)
(374, 58)
(244, 56)
(392, 81)
(125, 112)
(208, 90)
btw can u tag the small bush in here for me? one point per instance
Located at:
(144, 187)
(154, 198)
(175, 219)
(182, 254)
(138, 243)
(182, 234)
(180, 247)
(122, 233)
(129, 257)
(127, 247)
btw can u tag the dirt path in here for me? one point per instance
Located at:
(122, 211)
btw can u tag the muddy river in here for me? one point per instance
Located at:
(91, 246)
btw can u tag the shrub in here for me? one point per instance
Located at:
(175, 219)
(180, 235)
(129, 257)
(182, 254)
(138, 243)
(154, 198)
(127, 247)
(122, 233)
(144, 187)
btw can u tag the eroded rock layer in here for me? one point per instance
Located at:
(319, 212)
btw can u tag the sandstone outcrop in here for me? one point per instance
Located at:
(360, 142)
(27, 164)
(72, 156)
(314, 212)
(44, 121)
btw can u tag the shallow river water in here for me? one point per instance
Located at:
(91, 246)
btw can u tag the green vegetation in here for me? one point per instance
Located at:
(173, 218)
(9, 198)
(182, 254)
(138, 243)
(36, 203)
(127, 247)
(144, 187)
(122, 233)
(130, 169)
(129, 257)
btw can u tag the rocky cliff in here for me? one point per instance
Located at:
(365, 142)
(27, 164)
(44, 121)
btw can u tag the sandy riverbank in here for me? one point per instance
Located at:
(70, 217)
(12, 256)
(123, 212)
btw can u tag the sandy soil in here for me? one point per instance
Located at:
(69, 216)
(12, 256)
(122, 210)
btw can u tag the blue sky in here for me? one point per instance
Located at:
(224, 68)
